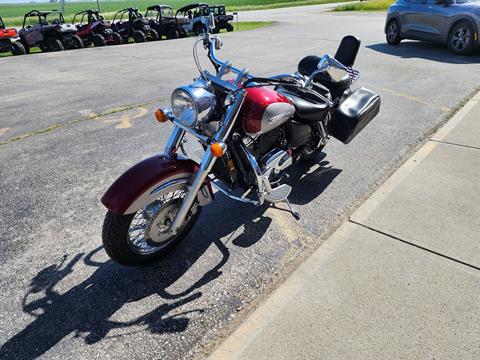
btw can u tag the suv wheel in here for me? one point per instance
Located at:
(54, 45)
(18, 49)
(460, 38)
(98, 40)
(393, 32)
(139, 36)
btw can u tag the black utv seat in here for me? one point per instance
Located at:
(306, 111)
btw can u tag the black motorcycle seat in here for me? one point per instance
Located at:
(308, 65)
(305, 110)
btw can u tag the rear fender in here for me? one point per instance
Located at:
(148, 180)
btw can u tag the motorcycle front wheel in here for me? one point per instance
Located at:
(142, 238)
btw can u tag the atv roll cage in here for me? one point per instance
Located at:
(159, 12)
(130, 12)
(92, 16)
(2, 24)
(202, 10)
(42, 17)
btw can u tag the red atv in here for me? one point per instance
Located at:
(8, 41)
(93, 29)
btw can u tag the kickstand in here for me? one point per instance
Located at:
(295, 214)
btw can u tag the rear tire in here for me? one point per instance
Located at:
(54, 44)
(139, 36)
(117, 39)
(18, 49)
(229, 27)
(460, 38)
(393, 32)
(99, 40)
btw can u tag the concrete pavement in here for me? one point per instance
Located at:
(399, 280)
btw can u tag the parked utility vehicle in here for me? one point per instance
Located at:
(222, 19)
(163, 21)
(48, 31)
(196, 16)
(93, 29)
(129, 22)
(8, 40)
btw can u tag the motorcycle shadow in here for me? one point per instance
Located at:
(310, 179)
(85, 310)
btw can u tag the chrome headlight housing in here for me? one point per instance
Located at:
(193, 104)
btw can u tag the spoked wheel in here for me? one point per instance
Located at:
(460, 38)
(393, 33)
(143, 237)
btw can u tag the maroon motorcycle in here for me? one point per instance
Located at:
(251, 129)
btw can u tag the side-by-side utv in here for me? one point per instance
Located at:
(130, 23)
(93, 29)
(9, 40)
(48, 31)
(162, 20)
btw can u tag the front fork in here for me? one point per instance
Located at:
(208, 159)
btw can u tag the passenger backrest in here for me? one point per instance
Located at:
(347, 50)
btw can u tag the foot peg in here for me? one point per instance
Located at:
(278, 194)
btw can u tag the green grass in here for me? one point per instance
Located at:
(373, 5)
(12, 14)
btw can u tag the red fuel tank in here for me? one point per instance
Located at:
(263, 110)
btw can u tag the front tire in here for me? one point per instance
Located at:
(54, 44)
(18, 48)
(127, 239)
(393, 32)
(99, 40)
(117, 38)
(460, 38)
(77, 42)
(152, 35)
(229, 27)
(139, 36)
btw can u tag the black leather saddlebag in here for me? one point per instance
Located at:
(353, 114)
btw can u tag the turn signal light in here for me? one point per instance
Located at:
(160, 115)
(216, 149)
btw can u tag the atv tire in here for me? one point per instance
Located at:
(152, 35)
(173, 34)
(25, 45)
(139, 36)
(117, 38)
(229, 27)
(18, 48)
(54, 45)
(98, 40)
(77, 42)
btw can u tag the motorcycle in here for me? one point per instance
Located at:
(251, 130)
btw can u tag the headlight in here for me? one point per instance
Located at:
(193, 103)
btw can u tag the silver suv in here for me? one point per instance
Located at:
(452, 22)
